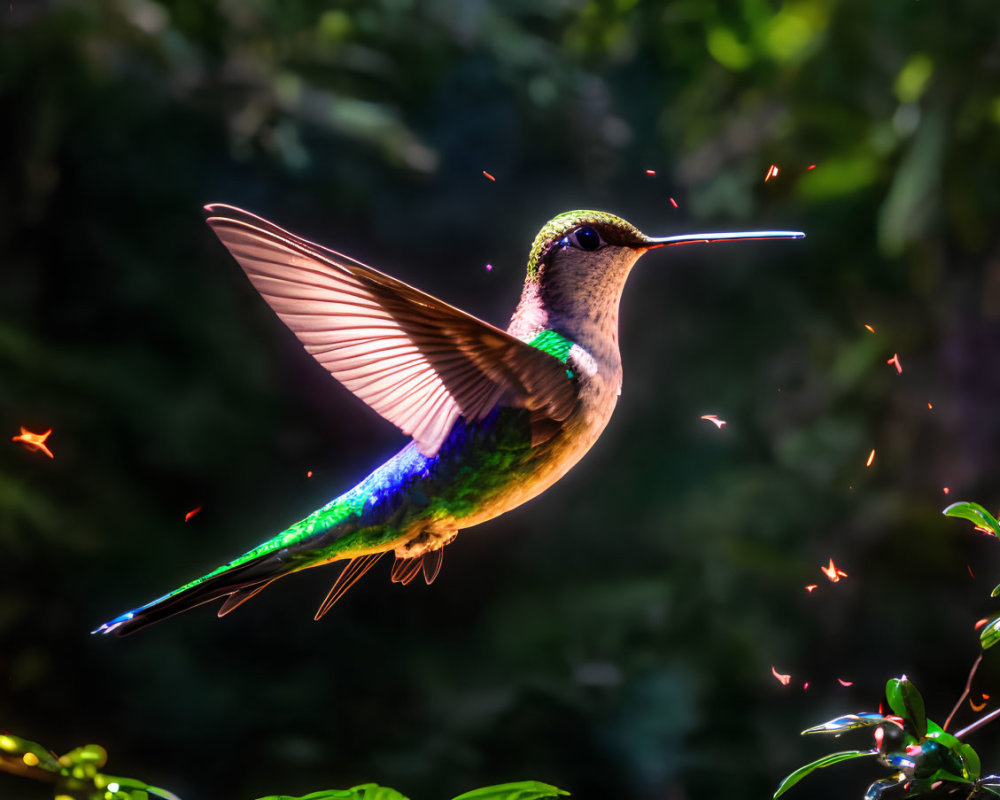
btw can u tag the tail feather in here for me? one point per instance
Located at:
(239, 582)
(351, 574)
(239, 597)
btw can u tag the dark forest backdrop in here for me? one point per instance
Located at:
(616, 636)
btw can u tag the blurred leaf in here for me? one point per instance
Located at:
(74, 774)
(913, 77)
(839, 175)
(365, 791)
(519, 790)
(909, 203)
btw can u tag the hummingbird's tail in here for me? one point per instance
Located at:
(237, 581)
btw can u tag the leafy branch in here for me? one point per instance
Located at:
(921, 754)
(520, 790)
(77, 776)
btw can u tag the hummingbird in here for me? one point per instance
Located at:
(495, 416)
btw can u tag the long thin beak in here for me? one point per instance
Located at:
(731, 236)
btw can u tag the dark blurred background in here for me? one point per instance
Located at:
(616, 636)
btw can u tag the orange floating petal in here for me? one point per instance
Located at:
(869, 327)
(309, 474)
(895, 362)
(784, 680)
(811, 166)
(871, 458)
(718, 423)
(488, 176)
(929, 407)
(833, 572)
(650, 171)
(191, 513)
(980, 623)
(946, 490)
(974, 707)
(34, 441)
(772, 172)
(842, 682)
(810, 587)
(673, 202)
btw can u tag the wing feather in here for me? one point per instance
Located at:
(416, 360)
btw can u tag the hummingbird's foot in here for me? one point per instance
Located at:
(405, 570)
(425, 542)
(423, 552)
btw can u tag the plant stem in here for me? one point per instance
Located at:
(978, 723)
(968, 688)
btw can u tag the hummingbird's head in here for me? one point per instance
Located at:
(576, 239)
(579, 263)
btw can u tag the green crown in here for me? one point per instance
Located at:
(557, 227)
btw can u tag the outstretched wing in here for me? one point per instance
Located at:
(416, 360)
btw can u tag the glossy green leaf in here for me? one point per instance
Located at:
(970, 760)
(848, 722)
(826, 761)
(943, 738)
(134, 786)
(519, 790)
(906, 701)
(975, 513)
(945, 775)
(365, 791)
(990, 634)
(995, 592)
(959, 762)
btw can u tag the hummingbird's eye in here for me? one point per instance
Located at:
(587, 239)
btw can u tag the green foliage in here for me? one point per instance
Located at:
(77, 775)
(74, 775)
(976, 514)
(825, 761)
(917, 750)
(519, 790)
(366, 791)
(905, 700)
(984, 521)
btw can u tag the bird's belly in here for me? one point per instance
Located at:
(490, 483)
(415, 503)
